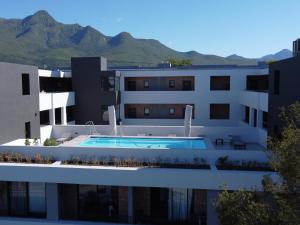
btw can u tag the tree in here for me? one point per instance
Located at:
(180, 62)
(279, 203)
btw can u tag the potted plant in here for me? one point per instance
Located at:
(27, 142)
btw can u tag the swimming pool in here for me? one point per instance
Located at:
(141, 142)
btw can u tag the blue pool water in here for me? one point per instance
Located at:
(152, 143)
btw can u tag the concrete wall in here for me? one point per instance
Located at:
(15, 108)
(201, 97)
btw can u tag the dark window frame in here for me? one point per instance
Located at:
(247, 114)
(25, 84)
(131, 85)
(187, 85)
(27, 129)
(131, 113)
(218, 116)
(217, 87)
(276, 82)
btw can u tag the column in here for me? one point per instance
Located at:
(52, 116)
(130, 205)
(63, 115)
(52, 201)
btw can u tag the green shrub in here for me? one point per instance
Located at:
(50, 142)
(27, 142)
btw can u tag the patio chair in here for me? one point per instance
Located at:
(64, 137)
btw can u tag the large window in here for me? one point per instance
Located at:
(276, 82)
(27, 130)
(131, 85)
(247, 114)
(4, 198)
(57, 112)
(37, 199)
(219, 83)
(90, 202)
(70, 113)
(25, 84)
(219, 111)
(44, 117)
(257, 82)
(131, 113)
(186, 85)
(265, 120)
(254, 117)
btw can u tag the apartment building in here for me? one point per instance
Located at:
(74, 183)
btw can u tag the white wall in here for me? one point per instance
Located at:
(54, 73)
(201, 97)
(257, 100)
(56, 100)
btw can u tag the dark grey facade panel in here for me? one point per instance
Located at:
(87, 78)
(15, 108)
(284, 89)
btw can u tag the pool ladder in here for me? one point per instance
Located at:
(91, 128)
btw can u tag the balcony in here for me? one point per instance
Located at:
(255, 99)
(56, 100)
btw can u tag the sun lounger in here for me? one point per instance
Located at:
(64, 137)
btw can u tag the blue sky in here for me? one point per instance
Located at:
(251, 28)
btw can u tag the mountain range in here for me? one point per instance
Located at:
(40, 40)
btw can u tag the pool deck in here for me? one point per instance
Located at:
(211, 145)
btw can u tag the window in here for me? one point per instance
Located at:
(3, 198)
(25, 84)
(131, 85)
(70, 113)
(186, 85)
(27, 130)
(131, 113)
(18, 199)
(219, 83)
(257, 82)
(146, 84)
(44, 117)
(171, 83)
(265, 120)
(276, 82)
(247, 114)
(171, 111)
(254, 118)
(37, 199)
(58, 116)
(219, 111)
(146, 111)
